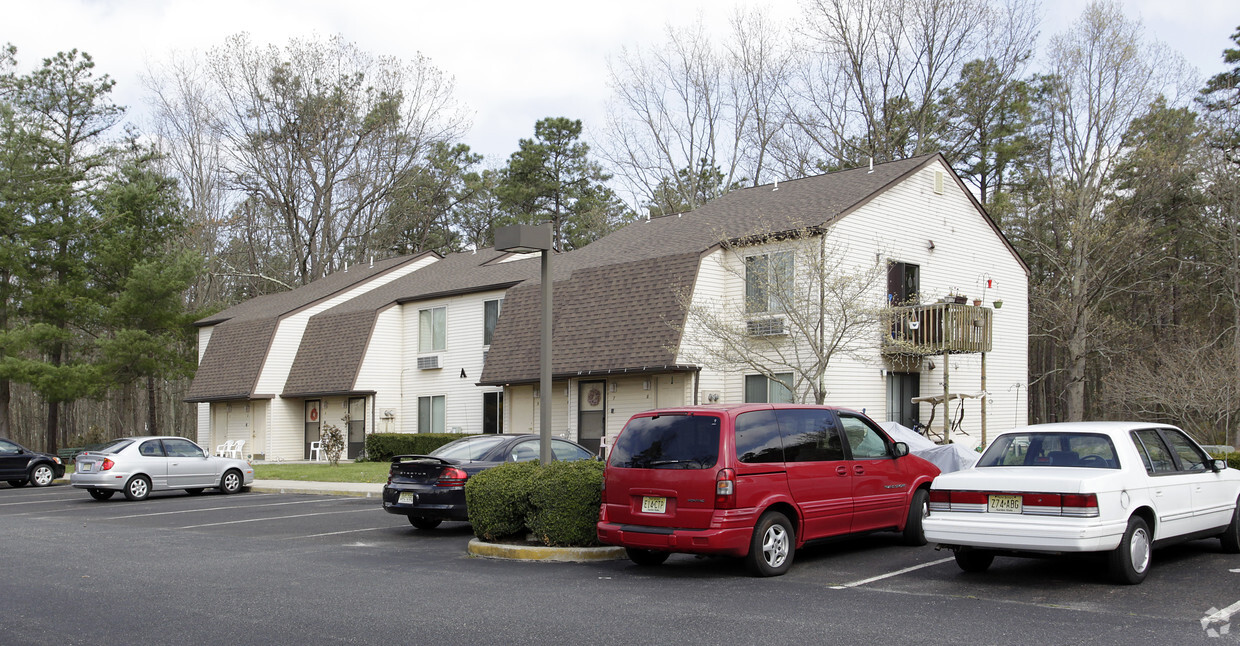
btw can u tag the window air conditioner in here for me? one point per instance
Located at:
(429, 362)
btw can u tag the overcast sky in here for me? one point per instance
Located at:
(514, 61)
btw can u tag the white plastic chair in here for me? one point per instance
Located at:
(235, 451)
(224, 448)
(316, 452)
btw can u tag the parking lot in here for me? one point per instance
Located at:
(261, 568)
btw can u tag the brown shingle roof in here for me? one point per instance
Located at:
(226, 373)
(608, 318)
(334, 342)
(243, 334)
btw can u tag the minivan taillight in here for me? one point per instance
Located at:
(725, 489)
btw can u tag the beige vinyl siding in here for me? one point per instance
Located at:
(898, 225)
(462, 354)
(381, 371)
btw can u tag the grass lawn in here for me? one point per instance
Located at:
(345, 472)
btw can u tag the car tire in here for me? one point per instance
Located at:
(424, 523)
(1231, 537)
(231, 482)
(973, 560)
(100, 494)
(17, 483)
(1129, 563)
(772, 547)
(195, 491)
(42, 475)
(138, 488)
(918, 509)
(646, 558)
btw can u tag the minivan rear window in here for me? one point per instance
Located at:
(668, 442)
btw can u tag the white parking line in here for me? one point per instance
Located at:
(1222, 615)
(890, 574)
(32, 502)
(259, 520)
(191, 511)
(347, 531)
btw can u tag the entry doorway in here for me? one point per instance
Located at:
(313, 421)
(591, 414)
(493, 412)
(902, 387)
(357, 427)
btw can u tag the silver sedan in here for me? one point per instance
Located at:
(137, 466)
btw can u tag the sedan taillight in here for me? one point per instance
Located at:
(1072, 505)
(107, 464)
(452, 477)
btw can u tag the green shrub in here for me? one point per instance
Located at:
(1233, 460)
(382, 446)
(564, 503)
(498, 499)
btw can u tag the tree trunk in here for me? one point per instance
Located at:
(152, 423)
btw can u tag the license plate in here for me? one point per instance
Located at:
(85, 468)
(654, 505)
(1006, 504)
(406, 498)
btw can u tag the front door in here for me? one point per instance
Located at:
(902, 387)
(357, 427)
(313, 424)
(187, 466)
(591, 414)
(817, 470)
(880, 487)
(493, 412)
(13, 461)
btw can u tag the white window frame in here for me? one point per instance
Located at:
(428, 339)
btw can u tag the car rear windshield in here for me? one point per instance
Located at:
(468, 449)
(114, 446)
(1090, 450)
(668, 442)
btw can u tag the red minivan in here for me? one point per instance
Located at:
(756, 481)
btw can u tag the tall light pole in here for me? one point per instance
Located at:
(525, 238)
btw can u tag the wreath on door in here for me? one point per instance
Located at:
(594, 396)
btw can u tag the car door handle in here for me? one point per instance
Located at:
(841, 470)
(858, 469)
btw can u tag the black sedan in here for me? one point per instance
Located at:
(430, 489)
(19, 465)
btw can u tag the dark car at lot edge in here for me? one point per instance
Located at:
(756, 481)
(20, 466)
(430, 489)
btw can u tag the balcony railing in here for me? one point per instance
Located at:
(936, 328)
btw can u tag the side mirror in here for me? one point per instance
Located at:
(901, 449)
(1218, 464)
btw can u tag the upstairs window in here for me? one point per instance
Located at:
(760, 390)
(432, 330)
(768, 282)
(490, 316)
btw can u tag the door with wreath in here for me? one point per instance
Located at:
(591, 413)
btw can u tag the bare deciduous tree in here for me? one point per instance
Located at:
(805, 305)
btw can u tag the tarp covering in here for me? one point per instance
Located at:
(947, 457)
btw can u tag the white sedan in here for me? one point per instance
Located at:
(1117, 487)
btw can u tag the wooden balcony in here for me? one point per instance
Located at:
(938, 328)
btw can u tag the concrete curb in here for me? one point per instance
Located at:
(320, 491)
(544, 553)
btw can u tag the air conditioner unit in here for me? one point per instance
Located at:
(430, 362)
(485, 354)
(766, 327)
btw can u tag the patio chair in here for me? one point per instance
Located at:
(224, 448)
(235, 451)
(316, 452)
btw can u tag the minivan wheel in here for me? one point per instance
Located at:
(646, 557)
(772, 547)
(918, 509)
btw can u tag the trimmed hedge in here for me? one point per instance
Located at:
(382, 446)
(564, 503)
(498, 500)
(558, 503)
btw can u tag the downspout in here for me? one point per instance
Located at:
(822, 322)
